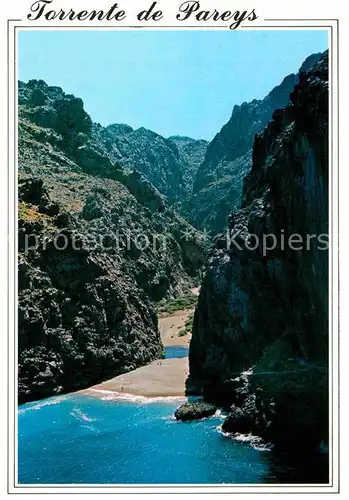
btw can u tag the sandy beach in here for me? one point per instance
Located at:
(160, 378)
(171, 324)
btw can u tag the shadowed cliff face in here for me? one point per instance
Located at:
(266, 312)
(97, 244)
(218, 181)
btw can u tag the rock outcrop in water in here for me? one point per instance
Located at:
(97, 243)
(218, 181)
(260, 334)
(195, 411)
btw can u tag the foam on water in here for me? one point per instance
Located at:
(107, 395)
(255, 441)
(114, 440)
(37, 405)
(79, 414)
(79, 439)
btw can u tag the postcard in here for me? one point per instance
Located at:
(173, 304)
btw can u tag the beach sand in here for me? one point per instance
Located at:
(161, 378)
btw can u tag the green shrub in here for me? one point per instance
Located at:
(188, 326)
(179, 303)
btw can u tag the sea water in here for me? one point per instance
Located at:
(78, 439)
(113, 438)
(176, 351)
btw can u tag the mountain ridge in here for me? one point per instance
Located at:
(86, 309)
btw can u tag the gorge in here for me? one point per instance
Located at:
(96, 315)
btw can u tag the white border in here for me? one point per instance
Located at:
(13, 487)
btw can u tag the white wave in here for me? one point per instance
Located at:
(40, 404)
(91, 428)
(170, 419)
(255, 441)
(107, 395)
(222, 415)
(80, 415)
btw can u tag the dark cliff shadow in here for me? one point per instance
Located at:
(300, 468)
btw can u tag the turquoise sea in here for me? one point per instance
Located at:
(79, 439)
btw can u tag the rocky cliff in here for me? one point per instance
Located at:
(218, 181)
(192, 154)
(169, 164)
(98, 243)
(260, 334)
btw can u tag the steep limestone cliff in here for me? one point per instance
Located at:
(260, 334)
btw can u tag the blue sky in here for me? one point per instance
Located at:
(172, 82)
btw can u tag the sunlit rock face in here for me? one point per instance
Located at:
(98, 245)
